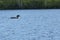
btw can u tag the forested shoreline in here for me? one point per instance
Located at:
(29, 4)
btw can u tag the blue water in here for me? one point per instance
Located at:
(32, 25)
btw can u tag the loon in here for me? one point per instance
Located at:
(15, 17)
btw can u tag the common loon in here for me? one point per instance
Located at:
(15, 17)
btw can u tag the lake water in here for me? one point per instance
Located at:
(31, 25)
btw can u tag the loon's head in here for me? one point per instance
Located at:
(18, 16)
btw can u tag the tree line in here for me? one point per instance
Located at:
(29, 4)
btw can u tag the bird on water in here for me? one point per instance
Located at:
(15, 17)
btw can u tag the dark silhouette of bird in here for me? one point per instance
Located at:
(15, 17)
